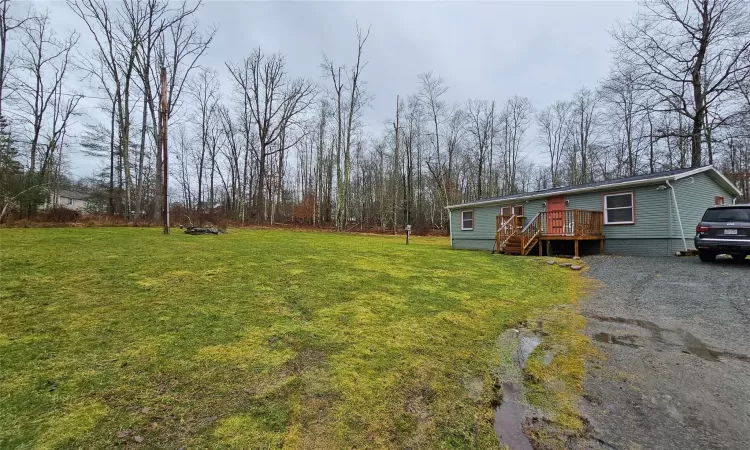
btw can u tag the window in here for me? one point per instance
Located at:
(467, 220)
(71, 202)
(719, 200)
(618, 209)
(507, 211)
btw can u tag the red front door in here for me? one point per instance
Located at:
(556, 215)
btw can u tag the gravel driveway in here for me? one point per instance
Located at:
(674, 336)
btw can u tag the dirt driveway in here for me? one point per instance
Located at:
(674, 334)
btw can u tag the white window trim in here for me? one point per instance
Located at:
(472, 220)
(631, 208)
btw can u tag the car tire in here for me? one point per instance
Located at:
(738, 256)
(706, 256)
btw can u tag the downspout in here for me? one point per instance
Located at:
(677, 210)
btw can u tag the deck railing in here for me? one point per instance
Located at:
(571, 222)
(507, 226)
(530, 233)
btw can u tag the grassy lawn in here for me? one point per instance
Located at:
(262, 339)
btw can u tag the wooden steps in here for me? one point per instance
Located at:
(513, 246)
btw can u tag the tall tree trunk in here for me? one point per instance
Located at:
(259, 195)
(339, 138)
(112, 162)
(141, 157)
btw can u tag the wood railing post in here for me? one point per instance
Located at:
(575, 222)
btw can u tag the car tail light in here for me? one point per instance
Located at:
(701, 229)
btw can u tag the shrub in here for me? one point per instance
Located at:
(59, 215)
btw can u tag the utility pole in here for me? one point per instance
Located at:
(165, 176)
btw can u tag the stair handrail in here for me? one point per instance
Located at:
(504, 224)
(500, 231)
(526, 240)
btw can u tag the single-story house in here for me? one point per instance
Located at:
(71, 200)
(653, 214)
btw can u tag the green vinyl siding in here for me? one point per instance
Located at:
(694, 195)
(638, 247)
(484, 224)
(474, 244)
(651, 209)
(483, 234)
(533, 208)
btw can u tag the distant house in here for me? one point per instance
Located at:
(653, 214)
(71, 200)
(212, 206)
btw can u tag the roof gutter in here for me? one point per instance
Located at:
(679, 220)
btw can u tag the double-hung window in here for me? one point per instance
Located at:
(619, 209)
(467, 220)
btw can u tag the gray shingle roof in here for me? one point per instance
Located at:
(638, 179)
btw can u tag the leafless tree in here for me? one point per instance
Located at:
(515, 121)
(204, 90)
(179, 47)
(117, 40)
(481, 126)
(8, 25)
(45, 59)
(338, 89)
(435, 108)
(345, 131)
(628, 110)
(690, 52)
(274, 101)
(356, 101)
(554, 133)
(583, 128)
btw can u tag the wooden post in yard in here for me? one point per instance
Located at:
(165, 213)
(576, 246)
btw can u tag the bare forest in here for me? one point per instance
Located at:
(269, 146)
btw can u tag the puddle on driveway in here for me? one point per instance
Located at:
(509, 417)
(656, 330)
(627, 341)
(701, 350)
(692, 344)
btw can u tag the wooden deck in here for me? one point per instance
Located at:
(516, 235)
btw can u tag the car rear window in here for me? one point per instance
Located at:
(740, 214)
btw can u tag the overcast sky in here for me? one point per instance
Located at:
(487, 50)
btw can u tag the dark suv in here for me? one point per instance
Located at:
(724, 229)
